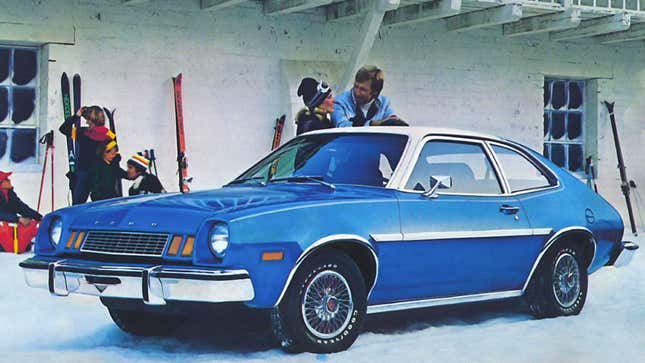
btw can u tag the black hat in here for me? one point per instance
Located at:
(313, 92)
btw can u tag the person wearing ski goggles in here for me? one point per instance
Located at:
(319, 101)
(364, 105)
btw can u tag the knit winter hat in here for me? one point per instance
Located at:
(139, 161)
(313, 93)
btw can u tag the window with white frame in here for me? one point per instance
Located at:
(18, 105)
(564, 123)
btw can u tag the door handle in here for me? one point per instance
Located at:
(509, 209)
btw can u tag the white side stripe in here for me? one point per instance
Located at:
(420, 236)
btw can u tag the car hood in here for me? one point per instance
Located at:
(186, 212)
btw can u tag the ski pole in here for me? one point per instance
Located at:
(15, 237)
(48, 141)
(624, 186)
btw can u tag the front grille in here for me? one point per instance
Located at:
(125, 243)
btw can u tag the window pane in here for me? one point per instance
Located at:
(574, 125)
(546, 123)
(24, 66)
(467, 164)
(520, 173)
(557, 154)
(558, 98)
(24, 102)
(23, 144)
(545, 151)
(547, 94)
(575, 157)
(575, 95)
(4, 103)
(3, 142)
(5, 54)
(557, 125)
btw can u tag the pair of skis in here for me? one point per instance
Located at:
(182, 162)
(110, 115)
(72, 145)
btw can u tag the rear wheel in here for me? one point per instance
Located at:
(559, 286)
(324, 307)
(144, 323)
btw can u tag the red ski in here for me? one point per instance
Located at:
(277, 135)
(181, 140)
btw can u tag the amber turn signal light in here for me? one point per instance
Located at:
(70, 240)
(174, 245)
(188, 247)
(79, 239)
(273, 256)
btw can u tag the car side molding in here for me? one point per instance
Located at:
(331, 239)
(552, 240)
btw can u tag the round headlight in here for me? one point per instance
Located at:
(218, 240)
(55, 231)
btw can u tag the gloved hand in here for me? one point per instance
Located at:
(394, 122)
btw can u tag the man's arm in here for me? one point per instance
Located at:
(341, 114)
(388, 113)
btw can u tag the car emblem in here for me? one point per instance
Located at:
(101, 288)
(589, 216)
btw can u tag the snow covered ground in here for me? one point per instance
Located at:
(36, 327)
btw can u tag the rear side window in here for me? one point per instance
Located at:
(520, 173)
(466, 163)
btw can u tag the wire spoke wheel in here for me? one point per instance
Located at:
(566, 280)
(327, 304)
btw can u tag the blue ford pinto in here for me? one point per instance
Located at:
(338, 224)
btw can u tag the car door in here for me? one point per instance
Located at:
(472, 238)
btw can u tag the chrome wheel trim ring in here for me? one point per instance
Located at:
(566, 280)
(327, 304)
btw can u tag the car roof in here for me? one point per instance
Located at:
(415, 132)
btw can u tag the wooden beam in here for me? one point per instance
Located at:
(484, 18)
(596, 26)
(635, 32)
(567, 19)
(365, 40)
(422, 12)
(218, 4)
(277, 7)
(37, 34)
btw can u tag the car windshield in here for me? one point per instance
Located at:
(362, 159)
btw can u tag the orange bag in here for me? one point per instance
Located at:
(15, 237)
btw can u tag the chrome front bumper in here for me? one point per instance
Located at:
(154, 285)
(623, 255)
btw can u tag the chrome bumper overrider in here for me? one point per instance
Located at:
(623, 255)
(154, 285)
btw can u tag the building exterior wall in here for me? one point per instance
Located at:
(233, 66)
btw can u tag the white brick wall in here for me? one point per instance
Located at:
(231, 61)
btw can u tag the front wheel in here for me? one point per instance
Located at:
(144, 323)
(324, 307)
(559, 286)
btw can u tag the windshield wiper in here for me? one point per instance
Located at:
(256, 179)
(295, 178)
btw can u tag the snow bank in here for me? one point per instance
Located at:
(40, 328)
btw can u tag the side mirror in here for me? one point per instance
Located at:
(438, 182)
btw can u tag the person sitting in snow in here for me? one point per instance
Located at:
(144, 182)
(318, 98)
(104, 175)
(88, 139)
(13, 210)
